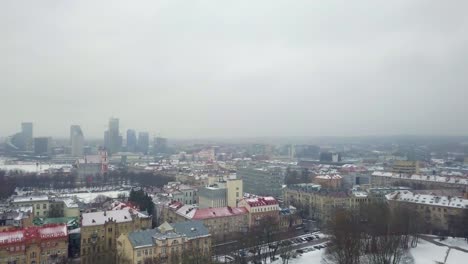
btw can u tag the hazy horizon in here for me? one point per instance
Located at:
(243, 69)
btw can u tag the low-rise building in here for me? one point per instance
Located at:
(320, 204)
(47, 244)
(329, 181)
(379, 178)
(405, 166)
(261, 208)
(21, 217)
(220, 221)
(439, 214)
(99, 231)
(169, 243)
(221, 193)
(40, 203)
(45, 206)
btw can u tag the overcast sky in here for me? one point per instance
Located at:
(235, 68)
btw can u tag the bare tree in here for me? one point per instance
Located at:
(346, 238)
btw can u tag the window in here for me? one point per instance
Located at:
(38, 206)
(146, 252)
(138, 253)
(44, 206)
(237, 194)
(109, 229)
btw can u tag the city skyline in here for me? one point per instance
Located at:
(215, 69)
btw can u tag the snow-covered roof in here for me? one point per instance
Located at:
(120, 216)
(431, 178)
(24, 199)
(34, 232)
(428, 199)
(69, 203)
(329, 177)
(261, 201)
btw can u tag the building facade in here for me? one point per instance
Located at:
(100, 230)
(35, 245)
(266, 181)
(221, 222)
(169, 243)
(438, 214)
(76, 141)
(321, 204)
(261, 208)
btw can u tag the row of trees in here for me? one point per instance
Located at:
(142, 200)
(373, 234)
(60, 180)
(294, 176)
(7, 186)
(261, 244)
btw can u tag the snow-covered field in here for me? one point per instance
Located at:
(424, 253)
(455, 242)
(90, 196)
(32, 167)
(428, 253)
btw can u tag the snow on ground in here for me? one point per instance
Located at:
(32, 167)
(88, 197)
(306, 258)
(424, 253)
(457, 257)
(428, 253)
(455, 242)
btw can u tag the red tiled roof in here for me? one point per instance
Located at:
(207, 213)
(261, 201)
(27, 234)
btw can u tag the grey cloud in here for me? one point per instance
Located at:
(235, 68)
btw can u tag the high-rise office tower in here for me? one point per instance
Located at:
(76, 140)
(113, 141)
(143, 142)
(160, 145)
(131, 140)
(73, 128)
(42, 146)
(27, 135)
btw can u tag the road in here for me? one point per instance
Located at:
(295, 246)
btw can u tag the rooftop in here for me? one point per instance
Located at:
(24, 199)
(120, 216)
(188, 229)
(431, 178)
(23, 235)
(261, 201)
(428, 199)
(192, 212)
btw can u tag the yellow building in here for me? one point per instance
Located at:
(234, 192)
(438, 214)
(46, 244)
(321, 204)
(169, 243)
(405, 167)
(221, 221)
(100, 230)
(41, 204)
